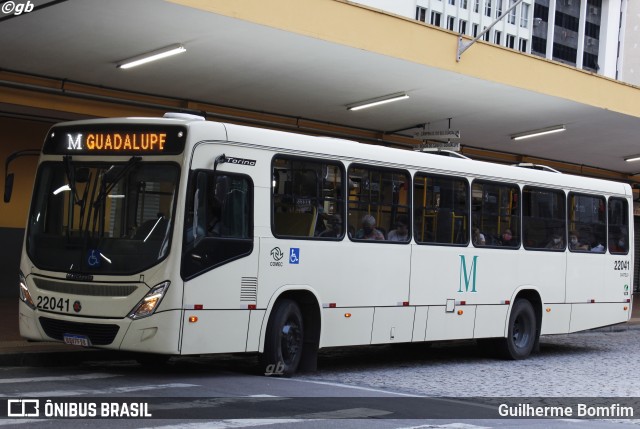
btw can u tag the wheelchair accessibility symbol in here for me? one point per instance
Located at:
(94, 258)
(294, 255)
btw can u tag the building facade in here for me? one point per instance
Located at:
(587, 34)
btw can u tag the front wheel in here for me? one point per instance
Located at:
(522, 334)
(284, 339)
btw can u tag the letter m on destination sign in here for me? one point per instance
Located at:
(74, 145)
(467, 277)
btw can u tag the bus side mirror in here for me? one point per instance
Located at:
(8, 187)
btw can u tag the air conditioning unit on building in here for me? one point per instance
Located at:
(591, 42)
(594, 10)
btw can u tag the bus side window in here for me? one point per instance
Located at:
(618, 226)
(543, 219)
(587, 219)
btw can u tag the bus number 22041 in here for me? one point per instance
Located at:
(53, 303)
(621, 265)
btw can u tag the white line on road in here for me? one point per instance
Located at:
(110, 391)
(58, 378)
(346, 386)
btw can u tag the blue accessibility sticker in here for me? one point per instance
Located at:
(294, 255)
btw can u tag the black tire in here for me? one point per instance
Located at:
(284, 339)
(523, 332)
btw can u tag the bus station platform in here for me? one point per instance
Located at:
(16, 351)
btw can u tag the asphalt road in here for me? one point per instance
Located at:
(448, 386)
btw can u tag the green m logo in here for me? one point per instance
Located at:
(467, 276)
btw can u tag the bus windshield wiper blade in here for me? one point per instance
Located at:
(104, 191)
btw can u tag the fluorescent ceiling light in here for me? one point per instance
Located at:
(378, 101)
(540, 132)
(152, 56)
(633, 158)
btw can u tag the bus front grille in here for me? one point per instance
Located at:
(100, 335)
(88, 289)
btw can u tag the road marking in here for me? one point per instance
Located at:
(114, 390)
(226, 424)
(6, 422)
(346, 386)
(447, 426)
(93, 376)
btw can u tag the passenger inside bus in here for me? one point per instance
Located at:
(368, 230)
(401, 233)
(478, 237)
(556, 242)
(575, 243)
(333, 228)
(508, 239)
(618, 244)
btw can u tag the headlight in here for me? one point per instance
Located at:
(25, 296)
(147, 305)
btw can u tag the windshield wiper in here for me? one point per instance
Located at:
(71, 177)
(105, 190)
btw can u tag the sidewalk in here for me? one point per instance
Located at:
(16, 351)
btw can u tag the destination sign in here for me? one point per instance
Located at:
(116, 140)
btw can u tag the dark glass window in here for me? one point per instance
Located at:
(618, 226)
(495, 213)
(587, 220)
(307, 198)
(378, 203)
(441, 209)
(543, 219)
(218, 226)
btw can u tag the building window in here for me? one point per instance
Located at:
(452, 2)
(539, 46)
(476, 6)
(497, 37)
(475, 30)
(435, 18)
(486, 35)
(590, 62)
(511, 41)
(567, 21)
(421, 14)
(564, 53)
(524, 16)
(487, 7)
(499, 9)
(463, 4)
(462, 26)
(540, 11)
(522, 45)
(511, 19)
(592, 30)
(451, 23)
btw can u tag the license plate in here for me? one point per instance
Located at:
(77, 340)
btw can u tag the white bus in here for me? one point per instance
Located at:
(179, 236)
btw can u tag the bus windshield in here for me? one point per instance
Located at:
(102, 218)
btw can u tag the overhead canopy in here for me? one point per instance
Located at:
(300, 64)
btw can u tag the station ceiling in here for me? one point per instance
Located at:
(291, 59)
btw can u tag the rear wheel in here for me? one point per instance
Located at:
(522, 334)
(284, 339)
